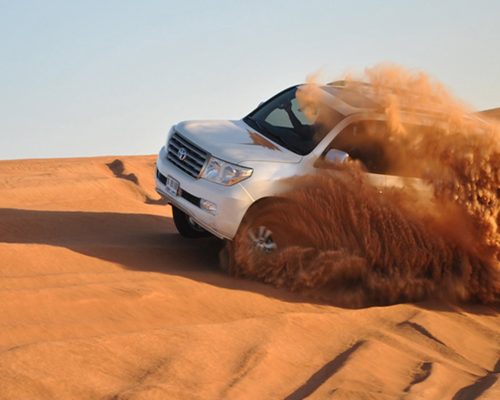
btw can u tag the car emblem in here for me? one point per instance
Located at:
(182, 154)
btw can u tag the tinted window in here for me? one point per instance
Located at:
(281, 119)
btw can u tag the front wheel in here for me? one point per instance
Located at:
(268, 229)
(186, 226)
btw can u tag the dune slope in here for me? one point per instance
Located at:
(101, 299)
(492, 113)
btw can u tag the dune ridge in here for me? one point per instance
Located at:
(101, 299)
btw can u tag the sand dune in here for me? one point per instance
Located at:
(492, 113)
(101, 299)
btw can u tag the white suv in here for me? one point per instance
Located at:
(213, 173)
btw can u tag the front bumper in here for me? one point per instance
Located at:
(232, 201)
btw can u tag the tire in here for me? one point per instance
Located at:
(186, 226)
(268, 228)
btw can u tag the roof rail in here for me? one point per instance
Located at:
(344, 83)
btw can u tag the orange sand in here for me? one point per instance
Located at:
(492, 113)
(101, 299)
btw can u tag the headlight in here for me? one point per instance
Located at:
(225, 173)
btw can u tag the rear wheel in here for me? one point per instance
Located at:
(186, 226)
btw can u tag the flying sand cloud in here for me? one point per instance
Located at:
(350, 242)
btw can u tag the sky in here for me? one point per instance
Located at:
(110, 77)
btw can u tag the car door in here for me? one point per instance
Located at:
(363, 141)
(369, 143)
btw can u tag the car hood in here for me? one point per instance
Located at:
(234, 141)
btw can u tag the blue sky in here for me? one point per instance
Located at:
(84, 78)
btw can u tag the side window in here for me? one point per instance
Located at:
(366, 142)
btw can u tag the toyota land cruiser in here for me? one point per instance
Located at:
(213, 173)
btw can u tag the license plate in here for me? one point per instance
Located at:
(172, 186)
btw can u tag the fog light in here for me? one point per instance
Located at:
(208, 206)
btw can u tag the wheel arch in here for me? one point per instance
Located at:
(259, 202)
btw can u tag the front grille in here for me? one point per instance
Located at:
(194, 159)
(190, 197)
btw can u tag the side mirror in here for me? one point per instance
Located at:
(336, 156)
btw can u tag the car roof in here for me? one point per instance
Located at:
(351, 97)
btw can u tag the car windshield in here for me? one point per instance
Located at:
(281, 120)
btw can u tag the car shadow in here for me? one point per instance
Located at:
(140, 242)
(147, 242)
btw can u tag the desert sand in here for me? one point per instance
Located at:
(492, 113)
(100, 298)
